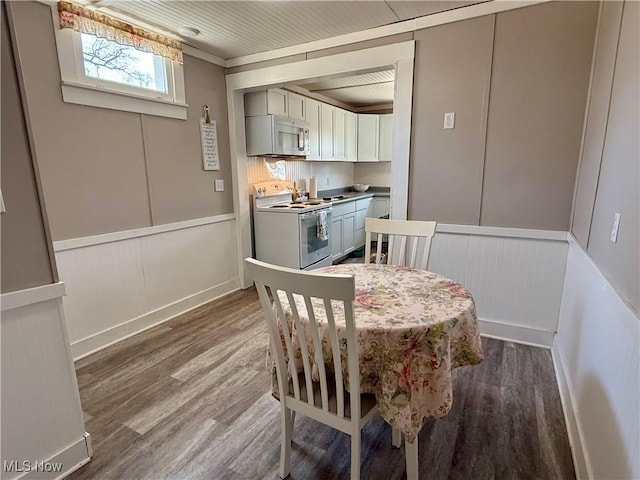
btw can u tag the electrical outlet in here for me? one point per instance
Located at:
(220, 185)
(449, 120)
(328, 181)
(614, 229)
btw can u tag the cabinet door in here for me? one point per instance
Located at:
(326, 132)
(335, 237)
(277, 102)
(380, 207)
(385, 139)
(313, 118)
(359, 238)
(339, 126)
(368, 138)
(348, 233)
(297, 107)
(351, 137)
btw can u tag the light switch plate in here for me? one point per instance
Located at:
(220, 185)
(614, 229)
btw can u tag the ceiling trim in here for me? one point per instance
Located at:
(202, 55)
(419, 23)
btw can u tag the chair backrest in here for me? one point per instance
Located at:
(320, 298)
(409, 241)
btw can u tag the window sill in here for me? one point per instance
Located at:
(98, 97)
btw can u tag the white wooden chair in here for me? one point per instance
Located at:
(327, 400)
(409, 241)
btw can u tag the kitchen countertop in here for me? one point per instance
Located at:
(350, 195)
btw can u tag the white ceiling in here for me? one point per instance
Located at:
(231, 29)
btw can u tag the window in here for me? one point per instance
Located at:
(100, 67)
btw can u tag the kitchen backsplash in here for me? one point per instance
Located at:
(375, 174)
(338, 174)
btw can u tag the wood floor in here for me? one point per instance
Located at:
(190, 399)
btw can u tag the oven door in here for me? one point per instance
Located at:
(314, 247)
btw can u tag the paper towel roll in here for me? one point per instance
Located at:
(313, 188)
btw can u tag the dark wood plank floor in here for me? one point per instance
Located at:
(190, 399)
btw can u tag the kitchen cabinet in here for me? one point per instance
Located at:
(327, 116)
(385, 137)
(351, 137)
(339, 130)
(313, 119)
(342, 235)
(275, 101)
(375, 137)
(297, 107)
(363, 210)
(379, 207)
(368, 134)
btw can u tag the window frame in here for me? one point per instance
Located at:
(81, 89)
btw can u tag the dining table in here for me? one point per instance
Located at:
(413, 328)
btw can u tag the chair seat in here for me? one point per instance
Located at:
(367, 400)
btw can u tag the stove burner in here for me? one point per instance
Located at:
(279, 206)
(297, 206)
(313, 203)
(337, 197)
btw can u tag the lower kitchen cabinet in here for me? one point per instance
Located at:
(379, 207)
(342, 238)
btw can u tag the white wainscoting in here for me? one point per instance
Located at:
(597, 360)
(41, 414)
(122, 283)
(514, 275)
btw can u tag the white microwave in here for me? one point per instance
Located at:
(270, 135)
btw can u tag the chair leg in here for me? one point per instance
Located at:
(355, 455)
(286, 429)
(396, 438)
(411, 458)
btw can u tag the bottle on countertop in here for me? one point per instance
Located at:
(294, 194)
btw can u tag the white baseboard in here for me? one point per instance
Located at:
(570, 417)
(100, 340)
(516, 333)
(70, 459)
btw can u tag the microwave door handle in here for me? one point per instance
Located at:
(301, 140)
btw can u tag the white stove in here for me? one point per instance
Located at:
(277, 196)
(287, 233)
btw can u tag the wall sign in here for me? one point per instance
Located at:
(209, 137)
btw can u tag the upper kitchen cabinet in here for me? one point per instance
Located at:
(314, 112)
(375, 137)
(385, 138)
(351, 137)
(368, 134)
(327, 125)
(275, 101)
(339, 132)
(297, 107)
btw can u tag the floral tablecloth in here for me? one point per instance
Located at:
(413, 327)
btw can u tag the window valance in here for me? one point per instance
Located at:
(91, 22)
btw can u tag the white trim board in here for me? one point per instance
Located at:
(567, 399)
(528, 233)
(117, 333)
(524, 335)
(399, 55)
(77, 454)
(419, 23)
(29, 296)
(62, 245)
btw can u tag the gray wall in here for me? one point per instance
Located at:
(452, 74)
(24, 253)
(519, 91)
(609, 170)
(105, 170)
